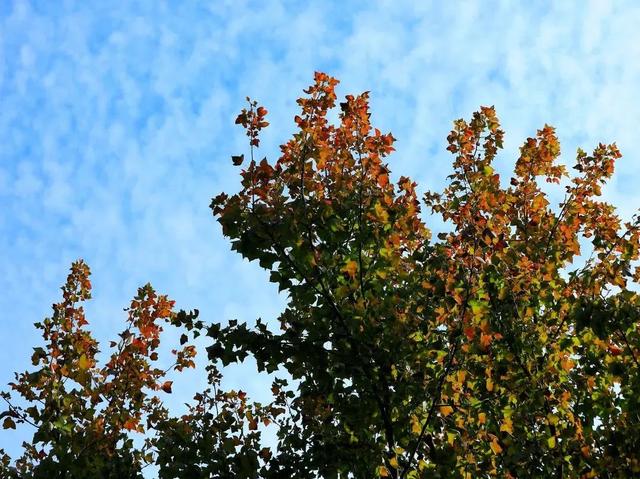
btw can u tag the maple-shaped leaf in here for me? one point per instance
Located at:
(8, 423)
(351, 268)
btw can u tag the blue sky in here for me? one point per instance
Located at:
(116, 128)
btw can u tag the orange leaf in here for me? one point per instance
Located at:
(489, 384)
(446, 410)
(495, 447)
(383, 180)
(166, 386)
(130, 424)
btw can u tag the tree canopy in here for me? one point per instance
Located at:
(508, 346)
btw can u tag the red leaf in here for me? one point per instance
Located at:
(166, 386)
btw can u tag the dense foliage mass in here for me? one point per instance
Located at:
(508, 346)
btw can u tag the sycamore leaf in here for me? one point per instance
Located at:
(130, 424)
(84, 362)
(495, 447)
(383, 180)
(507, 425)
(446, 410)
(489, 384)
(8, 423)
(351, 268)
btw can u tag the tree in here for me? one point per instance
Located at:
(498, 348)
(82, 413)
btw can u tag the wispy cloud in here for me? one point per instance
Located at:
(117, 123)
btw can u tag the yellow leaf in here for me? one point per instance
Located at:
(350, 267)
(551, 442)
(539, 202)
(482, 418)
(446, 410)
(84, 362)
(495, 447)
(415, 425)
(553, 419)
(381, 213)
(393, 462)
(383, 472)
(507, 425)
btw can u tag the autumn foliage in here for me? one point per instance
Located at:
(508, 346)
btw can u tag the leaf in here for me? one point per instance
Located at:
(351, 268)
(470, 332)
(551, 442)
(615, 350)
(495, 447)
(166, 386)
(489, 384)
(485, 340)
(478, 308)
(381, 213)
(567, 364)
(8, 423)
(383, 180)
(446, 410)
(507, 426)
(84, 362)
(416, 427)
(237, 159)
(130, 424)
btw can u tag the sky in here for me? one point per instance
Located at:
(117, 127)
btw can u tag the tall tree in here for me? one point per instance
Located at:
(484, 352)
(505, 347)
